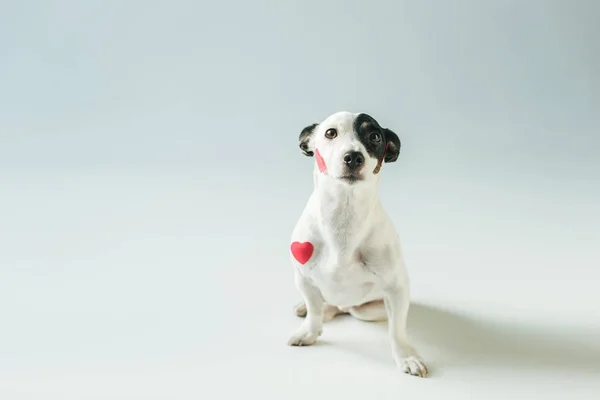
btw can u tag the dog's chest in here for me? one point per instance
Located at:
(344, 247)
(343, 279)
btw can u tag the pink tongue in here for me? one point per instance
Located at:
(320, 162)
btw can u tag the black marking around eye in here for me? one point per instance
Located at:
(364, 126)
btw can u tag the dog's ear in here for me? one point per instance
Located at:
(306, 140)
(393, 146)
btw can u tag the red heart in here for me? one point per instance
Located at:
(302, 251)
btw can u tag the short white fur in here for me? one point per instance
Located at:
(357, 264)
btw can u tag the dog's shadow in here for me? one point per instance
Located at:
(448, 340)
(456, 340)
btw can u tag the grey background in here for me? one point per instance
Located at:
(150, 178)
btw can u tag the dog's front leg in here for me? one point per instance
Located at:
(406, 357)
(312, 325)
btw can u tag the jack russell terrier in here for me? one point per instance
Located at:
(345, 249)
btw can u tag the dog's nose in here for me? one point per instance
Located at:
(354, 159)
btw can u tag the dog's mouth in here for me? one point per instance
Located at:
(351, 178)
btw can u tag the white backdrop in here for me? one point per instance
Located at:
(150, 178)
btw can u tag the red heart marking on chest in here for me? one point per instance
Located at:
(302, 251)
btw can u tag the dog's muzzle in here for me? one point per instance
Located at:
(354, 160)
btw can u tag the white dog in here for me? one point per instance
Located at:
(345, 249)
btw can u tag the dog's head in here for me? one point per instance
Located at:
(350, 147)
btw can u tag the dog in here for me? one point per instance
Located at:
(345, 251)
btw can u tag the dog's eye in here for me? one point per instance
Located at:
(331, 133)
(375, 137)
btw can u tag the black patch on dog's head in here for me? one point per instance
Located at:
(304, 138)
(364, 128)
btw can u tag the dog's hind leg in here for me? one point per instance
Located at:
(373, 311)
(328, 314)
(300, 309)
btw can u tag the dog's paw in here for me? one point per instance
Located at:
(304, 337)
(300, 309)
(414, 366)
(329, 311)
